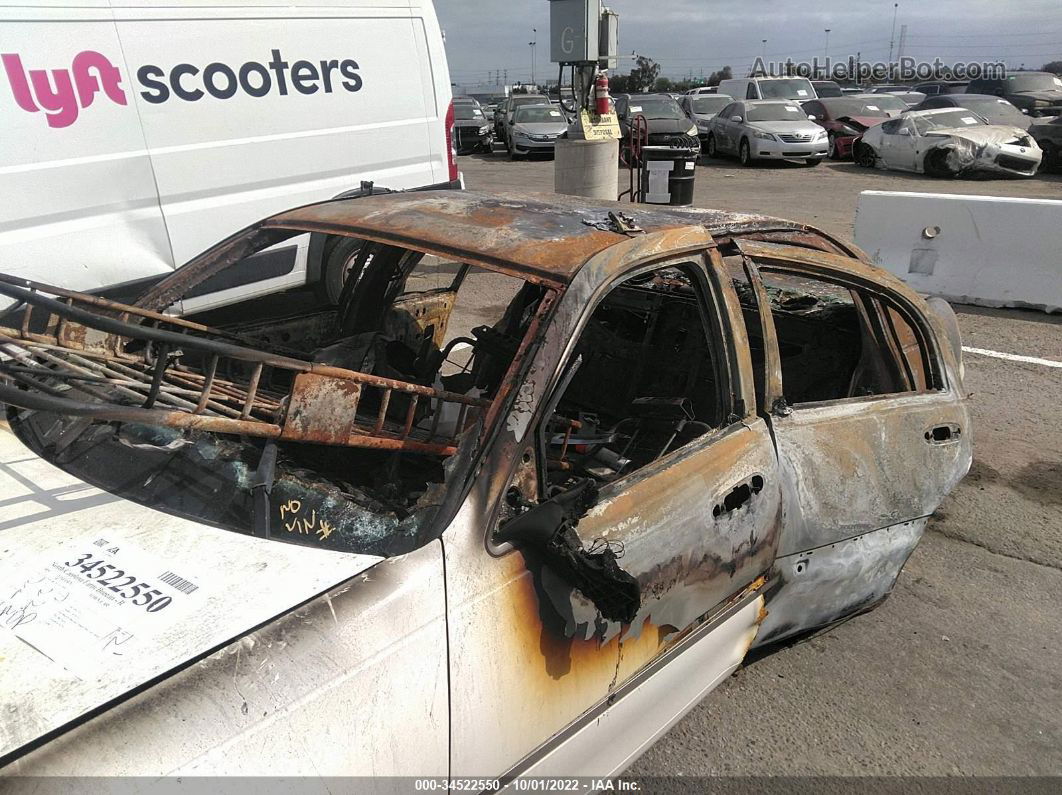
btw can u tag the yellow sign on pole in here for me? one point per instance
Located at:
(599, 128)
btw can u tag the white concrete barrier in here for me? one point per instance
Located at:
(984, 250)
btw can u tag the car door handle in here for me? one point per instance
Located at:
(943, 434)
(738, 496)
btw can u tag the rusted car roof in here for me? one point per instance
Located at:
(543, 237)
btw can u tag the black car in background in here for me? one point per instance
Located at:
(942, 87)
(1035, 93)
(472, 130)
(1048, 136)
(667, 122)
(827, 88)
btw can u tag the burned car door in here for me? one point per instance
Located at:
(864, 400)
(632, 509)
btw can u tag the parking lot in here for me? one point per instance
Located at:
(958, 671)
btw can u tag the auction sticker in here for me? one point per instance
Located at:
(93, 603)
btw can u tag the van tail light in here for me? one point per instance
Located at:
(451, 144)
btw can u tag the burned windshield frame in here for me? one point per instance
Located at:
(312, 479)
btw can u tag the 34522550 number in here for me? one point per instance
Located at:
(125, 585)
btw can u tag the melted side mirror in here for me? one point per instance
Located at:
(547, 532)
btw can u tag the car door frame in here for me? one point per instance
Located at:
(496, 612)
(829, 571)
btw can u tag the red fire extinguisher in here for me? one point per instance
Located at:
(601, 94)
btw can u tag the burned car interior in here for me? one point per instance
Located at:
(643, 380)
(834, 341)
(333, 427)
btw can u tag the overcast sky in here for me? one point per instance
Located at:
(686, 35)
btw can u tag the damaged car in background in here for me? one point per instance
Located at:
(534, 485)
(948, 142)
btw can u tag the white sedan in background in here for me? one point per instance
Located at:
(766, 130)
(948, 142)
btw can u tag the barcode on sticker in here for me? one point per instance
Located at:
(179, 583)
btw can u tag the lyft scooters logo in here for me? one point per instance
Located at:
(68, 90)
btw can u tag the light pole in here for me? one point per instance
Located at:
(763, 52)
(534, 39)
(892, 37)
(826, 57)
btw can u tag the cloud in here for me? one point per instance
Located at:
(688, 36)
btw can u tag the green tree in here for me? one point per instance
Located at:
(1053, 66)
(715, 78)
(643, 76)
(663, 84)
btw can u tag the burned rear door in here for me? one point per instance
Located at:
(579, 648)
(872, 431)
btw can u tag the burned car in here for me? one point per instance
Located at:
(531, 489)
(948, 142)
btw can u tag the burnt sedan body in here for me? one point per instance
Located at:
(534, 487)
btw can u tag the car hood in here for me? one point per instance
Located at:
(801, 126)
(986, 134)
(70, 646)
(542, 128)
(860, 122)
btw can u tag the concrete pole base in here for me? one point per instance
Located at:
(587, 168)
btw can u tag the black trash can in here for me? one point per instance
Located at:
(667, 175)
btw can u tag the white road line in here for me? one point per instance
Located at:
(1012, 357)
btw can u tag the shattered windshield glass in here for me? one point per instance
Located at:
(341, 427)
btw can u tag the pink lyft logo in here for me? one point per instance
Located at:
(57, 96)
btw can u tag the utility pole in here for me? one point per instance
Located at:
(892, 38)
(534, 40)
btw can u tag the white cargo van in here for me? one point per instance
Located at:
(797, 88)
(136, 133)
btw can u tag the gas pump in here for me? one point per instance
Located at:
(584, 37)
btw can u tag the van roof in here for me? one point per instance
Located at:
(544, 238)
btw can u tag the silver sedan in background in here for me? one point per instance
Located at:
(768, 130)
(535, 128)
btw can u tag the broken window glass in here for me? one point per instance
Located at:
(337, 426)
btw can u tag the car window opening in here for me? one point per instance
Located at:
(834, 342)
(643, 381)
(304, 453)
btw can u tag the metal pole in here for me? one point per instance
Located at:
(826, 57)
(892, 37)
(534, 40)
